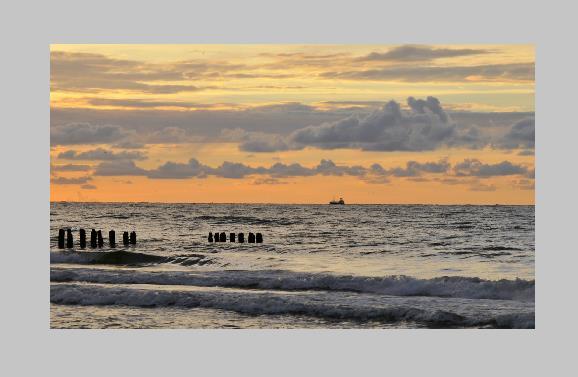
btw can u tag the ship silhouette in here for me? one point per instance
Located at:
(340, 201)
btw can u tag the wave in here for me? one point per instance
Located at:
(125, 258)
(332, 306)
(454, 286)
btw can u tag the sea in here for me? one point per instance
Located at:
(319, 266)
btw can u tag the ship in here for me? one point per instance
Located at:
(340, 201)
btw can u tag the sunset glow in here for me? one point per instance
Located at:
(293, 124)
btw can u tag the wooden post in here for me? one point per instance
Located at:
(223, 237)
(99, 237)
(232, 237)
(69, 241)
(241, 237)
(125, 238)
(111, 238)
(133, 237)
(93, 238)
(210, 236)
(61, 238)
(259, 238)
(251, 238)
(82, 238)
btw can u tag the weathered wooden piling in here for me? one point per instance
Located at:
(232, 237)
(112, 238)
(61, 238)
(93, 238)
(210, 236)
(125, 238)
(259, 238)
(223, 237)
(82, 238)
(251, 238)
(99, 237)
(69, 240)
(241, 237)
(133, 238)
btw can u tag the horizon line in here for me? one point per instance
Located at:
(270, 203)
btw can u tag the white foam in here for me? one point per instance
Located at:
(457, 287)
(434, 312)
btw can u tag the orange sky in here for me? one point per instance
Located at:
(145, 106)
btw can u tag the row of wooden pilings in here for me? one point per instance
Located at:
(222, 237)
(96, 239)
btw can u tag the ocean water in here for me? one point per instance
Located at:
(320, 266)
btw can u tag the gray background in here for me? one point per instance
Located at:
(29, 347)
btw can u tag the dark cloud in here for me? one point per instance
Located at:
(520, 135)
(468, 169)
(70, 181)
(171, 135)
(420, 53)
(119, 168)
(176, 170)
(85, 133)
(526, 152)
(84, 72)
(255, 141)
(70, 167)
(425, 127)
(128, 145)
(475, 168)
(414, 168)
(492, 72)
(88, 187)
(100, 154)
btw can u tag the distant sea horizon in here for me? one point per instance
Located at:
(304, 204)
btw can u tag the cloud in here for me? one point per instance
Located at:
(175, 170)
(419, 53)
(85, 133)
(70, 167)
(522, 134)
(119, 168)
(425, 127)
(475, 168)
(101, 155)
(372, 174)
(414, 168)
(88, 187)
(128, 145)
(526, 152)
(493, 72)
(84, 72)
(147, 104)
(255, 141)
(171, 135)
(70, 181)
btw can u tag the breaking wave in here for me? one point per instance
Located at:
(456, 287)
(125, 258)
(326, 305)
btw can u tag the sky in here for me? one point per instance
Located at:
(443, 124)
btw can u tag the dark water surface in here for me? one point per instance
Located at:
(319, 266)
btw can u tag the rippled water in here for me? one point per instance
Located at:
(344, 266)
